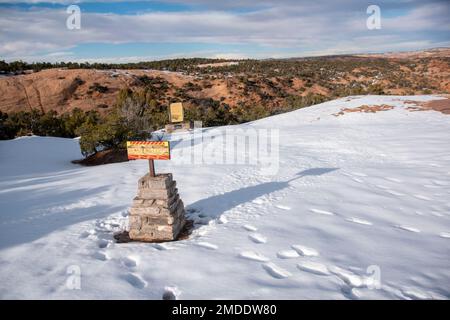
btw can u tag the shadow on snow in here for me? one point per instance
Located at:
(210, 208)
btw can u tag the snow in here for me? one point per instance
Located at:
(351, 194)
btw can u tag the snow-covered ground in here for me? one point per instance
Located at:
(357, 198)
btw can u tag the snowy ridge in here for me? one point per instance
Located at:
(358, 198)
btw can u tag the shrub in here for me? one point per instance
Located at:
(98, 88)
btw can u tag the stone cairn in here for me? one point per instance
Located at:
(157, 213)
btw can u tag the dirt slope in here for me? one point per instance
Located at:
(63, 90)
(271, 84)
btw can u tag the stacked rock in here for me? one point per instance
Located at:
(157, 213)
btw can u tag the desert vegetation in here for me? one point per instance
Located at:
(106, 104)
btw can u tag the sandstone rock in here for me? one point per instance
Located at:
(161, 194)
(156, 232)
(161, 181)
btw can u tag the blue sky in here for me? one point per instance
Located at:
(125, 7)
(119, 31)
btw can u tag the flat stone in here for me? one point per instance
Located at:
(157, 233)
(142, 216)
(160, 181)
(156, 211)
(167, 202)
(161, 194)
(148, 211)
(144, 203)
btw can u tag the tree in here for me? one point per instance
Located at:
(71, 121)
(8, 129)
(244, 113)
(140, 110)
(134, 116)
(89, 141)
(49, 124)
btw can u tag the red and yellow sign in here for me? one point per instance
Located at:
(151, 150)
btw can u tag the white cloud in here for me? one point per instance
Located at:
(277, 29)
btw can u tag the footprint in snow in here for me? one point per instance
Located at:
(287, 254)
(171, 293)
(259, 201)
(87, 233)
(249, 227)
(314, 267)
(415, 294)
(407, 228)
(440, 182)
(223, 220)
(350, 293)
(393, 179)
(102, 256)
(102, 243)
(275, 271)
(394, 193)
(421, 197)
(305, 251)
(202, 231)
(429, 186)
(257, 238)
(283, 207)
(323, 212)
(359, 174)
(252, 255)
(130, 261)
(135, 280)
(348, 277)
(162, 246)
(359, 221)
(207, 245)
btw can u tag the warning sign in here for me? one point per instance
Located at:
(151, 150)
(176, 112)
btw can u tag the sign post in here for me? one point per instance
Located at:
(151, 167)
(150, 150)
(157, 213)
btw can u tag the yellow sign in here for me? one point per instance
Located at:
(151, 150)
(176, 112)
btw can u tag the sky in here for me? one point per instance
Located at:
(132, 31)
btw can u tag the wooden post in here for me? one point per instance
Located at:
(151, 166)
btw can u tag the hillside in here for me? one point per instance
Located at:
(276, 85)
(359, 191)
